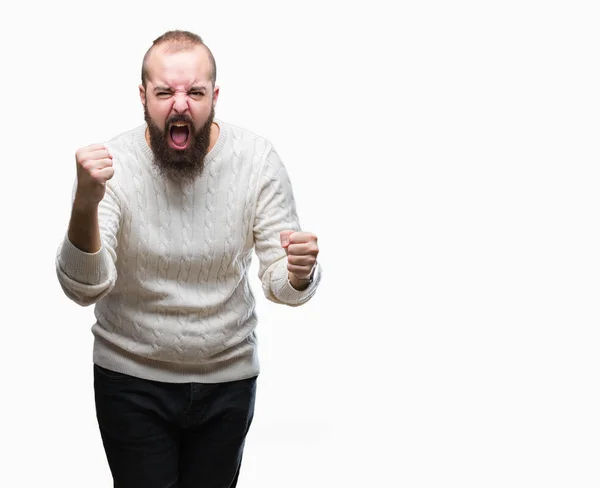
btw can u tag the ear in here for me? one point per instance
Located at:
(215, 95)
(143, 94)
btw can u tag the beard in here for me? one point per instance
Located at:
(182, 166)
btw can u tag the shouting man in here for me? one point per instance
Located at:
(164, 221)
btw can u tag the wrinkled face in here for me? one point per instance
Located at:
(179, 102)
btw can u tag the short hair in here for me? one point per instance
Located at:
(179, 40)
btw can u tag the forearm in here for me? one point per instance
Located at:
(86, 261)
(84, 231)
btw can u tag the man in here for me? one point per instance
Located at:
(164, 221)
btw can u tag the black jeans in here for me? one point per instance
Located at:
(173, 435)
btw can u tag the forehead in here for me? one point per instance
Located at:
(179, 67)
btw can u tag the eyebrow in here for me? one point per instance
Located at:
(167, 89)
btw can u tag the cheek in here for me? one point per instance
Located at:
(200, 112)
(159, 113)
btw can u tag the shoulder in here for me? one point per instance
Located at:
(131, 163)
(126, 145)
(246, 141)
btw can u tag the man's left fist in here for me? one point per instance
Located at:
(302, 250)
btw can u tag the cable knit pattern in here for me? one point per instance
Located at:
(170, 286)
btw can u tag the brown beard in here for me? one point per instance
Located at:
(179, 166)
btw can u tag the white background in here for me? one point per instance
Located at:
(445, 153)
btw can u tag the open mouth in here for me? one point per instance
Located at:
(179, 135)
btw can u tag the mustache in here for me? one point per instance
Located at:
(173, 119)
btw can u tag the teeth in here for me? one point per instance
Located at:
(180, 124)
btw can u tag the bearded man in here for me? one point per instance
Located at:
(164, 221)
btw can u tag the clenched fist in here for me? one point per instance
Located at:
(94, 169)
(302, 250)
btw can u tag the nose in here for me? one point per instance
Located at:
(180, 104)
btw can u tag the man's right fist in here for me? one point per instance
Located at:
(94, 169)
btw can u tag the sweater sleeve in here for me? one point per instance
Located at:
(87, 277)
(276, 212)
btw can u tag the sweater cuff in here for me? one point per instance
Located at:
(285, 292)
(82, 267)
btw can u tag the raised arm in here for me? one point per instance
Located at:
(86, 258)
(287, 256)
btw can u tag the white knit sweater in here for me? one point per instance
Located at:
(170, 283)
